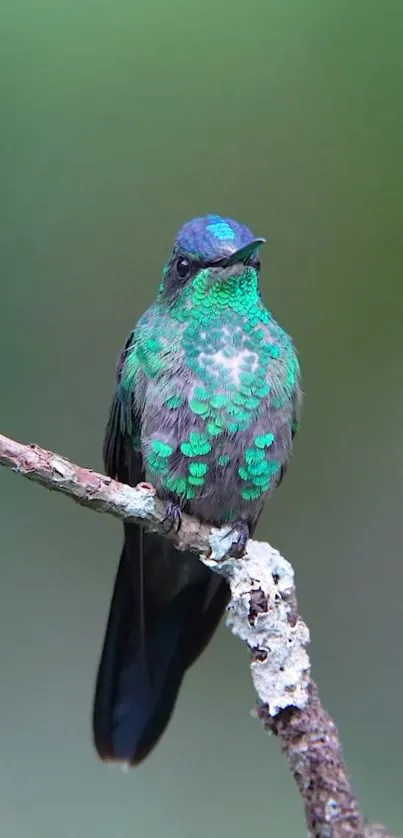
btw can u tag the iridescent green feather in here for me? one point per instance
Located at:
(215, 324)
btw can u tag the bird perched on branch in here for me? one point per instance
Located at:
(205, 408)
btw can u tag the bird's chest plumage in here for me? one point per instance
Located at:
(216, 412)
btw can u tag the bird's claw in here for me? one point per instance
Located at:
(173, 518)
(237, 548)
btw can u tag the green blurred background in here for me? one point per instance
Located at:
(120, 120)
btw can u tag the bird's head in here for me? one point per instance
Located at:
(213, 251)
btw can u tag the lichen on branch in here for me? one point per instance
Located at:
(262, 611)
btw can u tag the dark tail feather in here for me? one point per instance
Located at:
(138, 682)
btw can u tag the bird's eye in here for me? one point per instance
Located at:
(183, 267)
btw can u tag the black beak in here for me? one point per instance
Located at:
(240, 255)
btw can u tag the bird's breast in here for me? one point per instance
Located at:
(216, 418)
(219, 452)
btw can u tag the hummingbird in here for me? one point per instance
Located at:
(206, 406)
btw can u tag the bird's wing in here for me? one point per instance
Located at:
(121, 450)
(296, 408)
(296, 403)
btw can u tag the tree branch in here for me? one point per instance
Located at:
(263, 612)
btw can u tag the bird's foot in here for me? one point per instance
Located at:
(237, 548)
(173, 518)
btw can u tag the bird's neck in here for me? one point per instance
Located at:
(231, 297)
